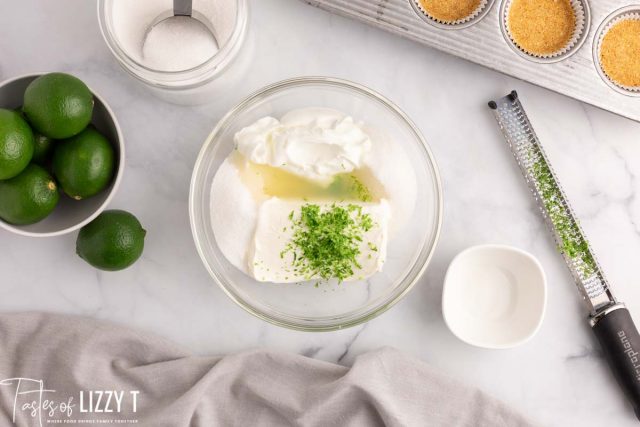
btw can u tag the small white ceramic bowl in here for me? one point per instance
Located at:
(69, 214)
(494, 296)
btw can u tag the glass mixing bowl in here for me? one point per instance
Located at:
(328, 306)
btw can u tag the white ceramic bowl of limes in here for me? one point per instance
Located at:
(69, 215)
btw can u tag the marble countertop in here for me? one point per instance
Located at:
(558, 378)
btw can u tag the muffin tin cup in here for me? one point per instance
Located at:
(480, 12)
(580, 32)
(623, 14)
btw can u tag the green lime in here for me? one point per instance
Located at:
(58, 105)
(29, 197)
(84, 164)
(113, 241)
(43, 149)
(16, 144)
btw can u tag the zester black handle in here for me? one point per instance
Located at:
(621, 345)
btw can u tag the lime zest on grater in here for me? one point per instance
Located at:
(551, 200)
(610, 321)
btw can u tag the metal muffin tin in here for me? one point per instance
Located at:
(482, 41)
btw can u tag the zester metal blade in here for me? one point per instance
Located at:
(552, 201)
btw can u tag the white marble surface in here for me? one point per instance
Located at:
(558, 378)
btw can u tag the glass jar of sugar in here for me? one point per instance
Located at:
(182, 59)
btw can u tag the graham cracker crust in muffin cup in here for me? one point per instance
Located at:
(581, 22)
(618, 16)
(469, 19)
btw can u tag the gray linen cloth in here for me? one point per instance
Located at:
(114, 368)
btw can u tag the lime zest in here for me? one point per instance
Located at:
(326, 242)
(571, 242)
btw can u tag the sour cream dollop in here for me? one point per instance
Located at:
(315, 143)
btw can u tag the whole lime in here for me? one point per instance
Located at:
(16, 144)
(28, 197)
(84, 164)
(58, 105)
(113, 241)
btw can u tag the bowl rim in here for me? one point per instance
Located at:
(116, 181)
(543, 285)
(304, 80)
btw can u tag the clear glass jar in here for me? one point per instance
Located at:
(124, 25)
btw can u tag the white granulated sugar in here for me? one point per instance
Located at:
(178, 43)
(175, 46)
(234, 214)
(391, 166)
